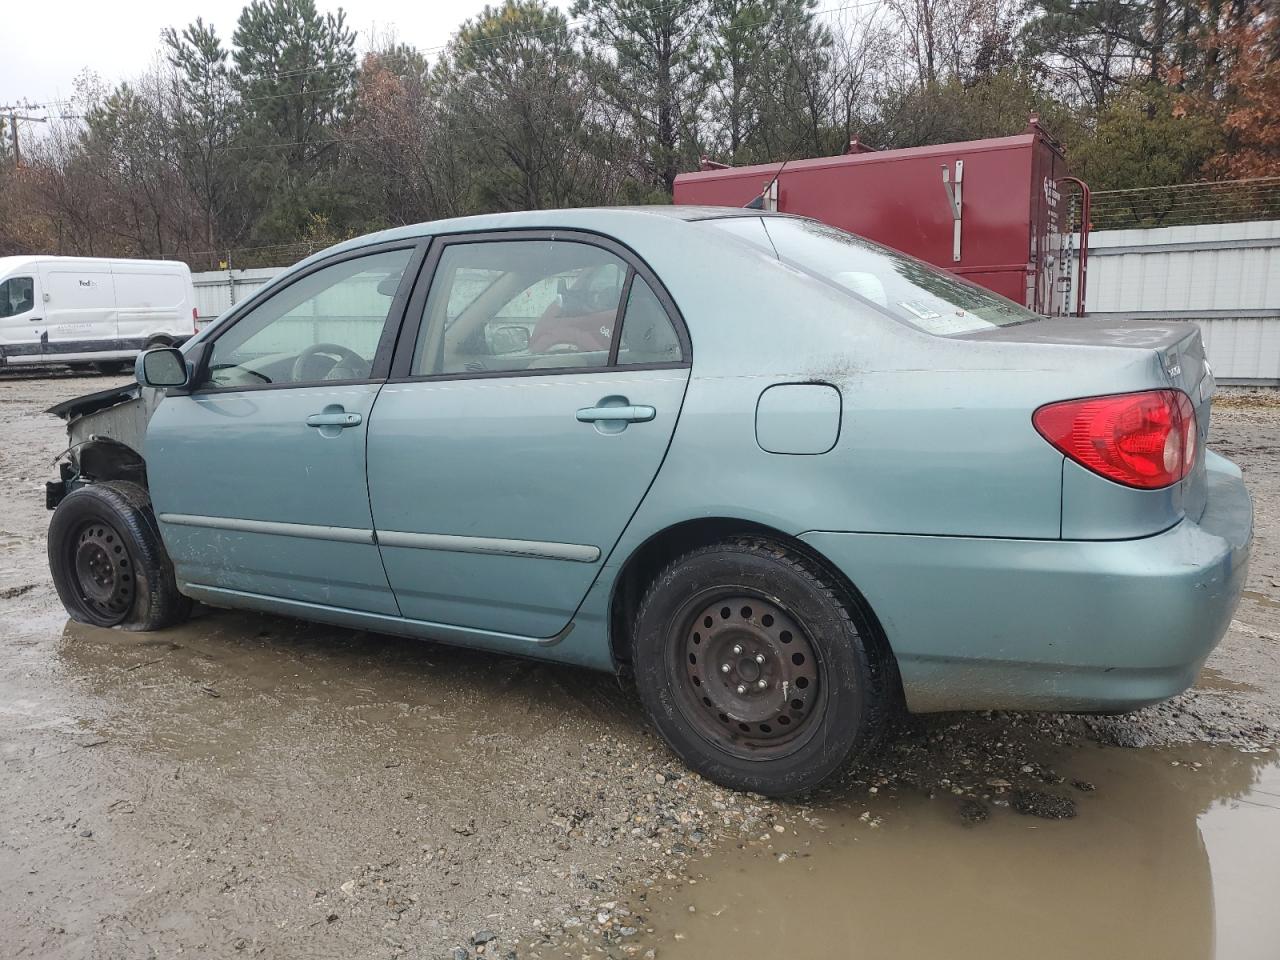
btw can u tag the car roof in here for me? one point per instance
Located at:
(608, 220)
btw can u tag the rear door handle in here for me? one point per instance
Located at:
(339, 420)
(628, 414)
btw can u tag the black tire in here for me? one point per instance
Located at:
(757, 669)
(109, 367)
(108, 562)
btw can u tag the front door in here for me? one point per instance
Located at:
(258, 476)
(21, 322)
(524, 422)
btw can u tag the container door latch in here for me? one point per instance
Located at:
(955, 196)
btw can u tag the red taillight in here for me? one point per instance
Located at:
(195, 319)
(1145, 440)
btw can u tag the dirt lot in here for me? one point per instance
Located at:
(253, 786)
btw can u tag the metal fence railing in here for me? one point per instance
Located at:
(264, 255)
(1225, 201)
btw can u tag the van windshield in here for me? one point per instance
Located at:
(907, 289)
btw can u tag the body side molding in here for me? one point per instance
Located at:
(277, 528)
(545, 549)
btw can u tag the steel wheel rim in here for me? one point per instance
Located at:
(747, 675)
(104, 573)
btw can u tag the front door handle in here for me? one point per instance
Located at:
(627, 414)
(340, 420)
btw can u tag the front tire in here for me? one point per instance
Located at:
(108, 563)
(757, 670)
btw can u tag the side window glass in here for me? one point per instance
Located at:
(648, 335)
(509, 305)
(324, 327)
(17, 295)
(468, 285)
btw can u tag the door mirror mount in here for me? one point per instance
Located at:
(163, 367)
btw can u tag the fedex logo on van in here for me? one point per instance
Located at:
(86, 283)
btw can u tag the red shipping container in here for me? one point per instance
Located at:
(993, 211)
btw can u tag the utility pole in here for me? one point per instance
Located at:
(14, 117)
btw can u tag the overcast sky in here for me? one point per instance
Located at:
(47, 44)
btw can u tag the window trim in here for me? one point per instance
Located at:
(381, 364)
(411, 327)
(624, 301)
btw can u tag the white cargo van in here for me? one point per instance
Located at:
(83, 310)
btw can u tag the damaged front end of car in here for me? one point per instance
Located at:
(105, 431)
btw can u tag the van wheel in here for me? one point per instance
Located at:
(756, 670)
(109, 367)
(108, 562)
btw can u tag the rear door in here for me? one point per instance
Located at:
(534, 394)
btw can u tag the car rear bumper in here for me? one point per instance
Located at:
(1055, 624)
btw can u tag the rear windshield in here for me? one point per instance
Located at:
(907, 289)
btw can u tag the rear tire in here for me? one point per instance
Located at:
(108, 563)
(757, 670)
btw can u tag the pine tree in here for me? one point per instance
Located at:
(295, 72)
(205, 123)
(653, 65)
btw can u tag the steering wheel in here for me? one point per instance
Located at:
(357, 363)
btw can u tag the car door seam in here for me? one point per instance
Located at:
(368, 490)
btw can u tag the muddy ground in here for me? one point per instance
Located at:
(254, 786)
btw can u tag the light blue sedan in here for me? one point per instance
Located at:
(786, 476)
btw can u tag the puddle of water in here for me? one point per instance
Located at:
(1172, 861)
(1261, 598)
(175, 691)
(1211, 679)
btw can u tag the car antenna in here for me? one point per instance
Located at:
(758, 202)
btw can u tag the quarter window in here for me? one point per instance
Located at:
(17, 295)
(647, 333)
(324, 327)
(513, 305)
